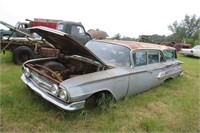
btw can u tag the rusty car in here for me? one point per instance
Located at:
(114, 67)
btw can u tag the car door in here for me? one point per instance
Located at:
(147, 66)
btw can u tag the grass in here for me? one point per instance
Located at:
(173, 106)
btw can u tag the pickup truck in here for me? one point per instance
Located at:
(24, 46)
(76, 30)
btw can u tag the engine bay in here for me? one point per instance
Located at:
(60, 69)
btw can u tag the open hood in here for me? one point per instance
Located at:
(63, 42)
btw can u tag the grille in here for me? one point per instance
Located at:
(41, 81)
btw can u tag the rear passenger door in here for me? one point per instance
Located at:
(147, 65)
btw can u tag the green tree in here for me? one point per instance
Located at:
(187, 30)
(191, 25)
(116, 37)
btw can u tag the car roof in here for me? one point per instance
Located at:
(133, 45)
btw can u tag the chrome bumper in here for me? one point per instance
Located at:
(70, 107)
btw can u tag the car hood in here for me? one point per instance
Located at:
(66, 44)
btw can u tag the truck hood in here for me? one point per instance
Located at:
(66, 44)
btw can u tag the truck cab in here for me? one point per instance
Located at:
(76, 30)
(11, 29)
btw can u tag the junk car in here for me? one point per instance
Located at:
(114, 67)
(195, 51)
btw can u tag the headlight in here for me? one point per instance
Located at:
(54, 89)
(27, 72)
(63, 95)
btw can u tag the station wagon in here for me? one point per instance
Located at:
(118, 68)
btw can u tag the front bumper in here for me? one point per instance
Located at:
(70, 107)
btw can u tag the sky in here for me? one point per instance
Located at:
(127, 17)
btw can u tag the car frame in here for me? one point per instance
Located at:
(80, 74)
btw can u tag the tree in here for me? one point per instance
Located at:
(186, 30)
(191, 25)
(116, 37)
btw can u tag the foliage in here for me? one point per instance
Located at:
(119, 37)
(105, 101)
(116, 37)
(155, 38)
(129, 38)
(187, 30)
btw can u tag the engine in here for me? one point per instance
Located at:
(63, 68)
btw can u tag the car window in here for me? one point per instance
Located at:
(111, 54)
(140, 58)
(169, 54)
(145, 57)
(196, 47)
(153, 56)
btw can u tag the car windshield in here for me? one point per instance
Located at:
(111, 54)
(196, 47)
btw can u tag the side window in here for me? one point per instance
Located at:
(21, 26)
(81, 30)
(140, 58)
(60, 27)
(77, 30)
(153, 56)
(169, 54)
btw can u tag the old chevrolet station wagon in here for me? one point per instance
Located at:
(119, 68)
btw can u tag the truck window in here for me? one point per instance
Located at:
(77, 30)
(60, 27)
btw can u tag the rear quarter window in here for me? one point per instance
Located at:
(169, 54)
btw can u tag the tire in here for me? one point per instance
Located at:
(22, 54)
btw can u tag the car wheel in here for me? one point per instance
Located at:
(22, 54)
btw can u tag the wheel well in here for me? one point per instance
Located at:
(104, 91)
(168, 79)
(93, 100)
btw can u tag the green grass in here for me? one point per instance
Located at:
(173, 106)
